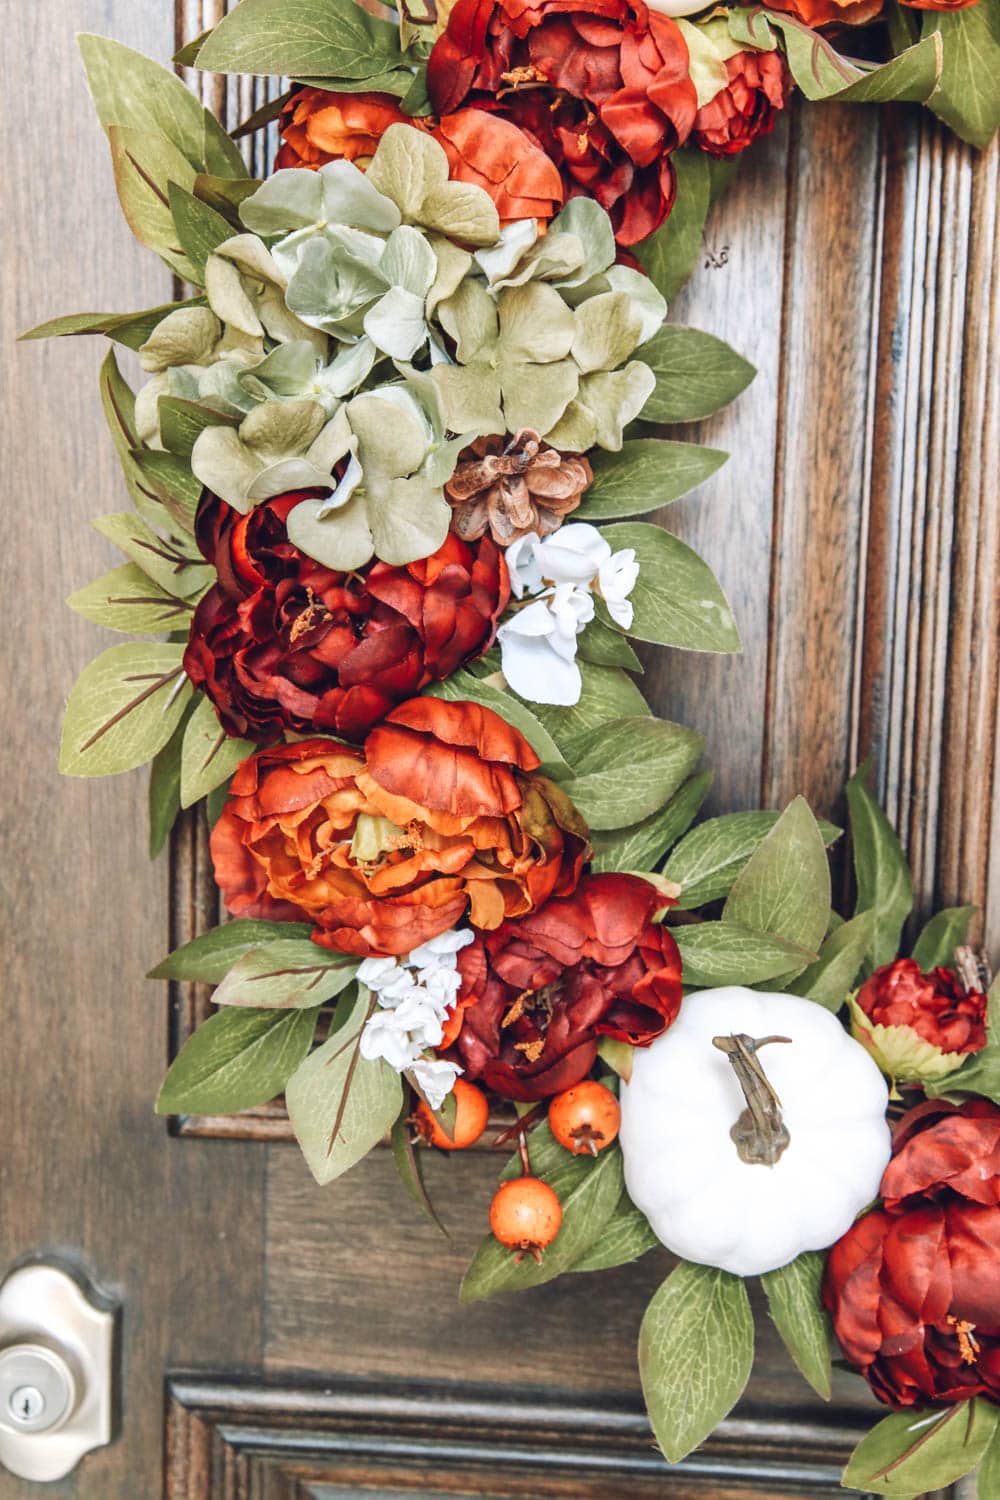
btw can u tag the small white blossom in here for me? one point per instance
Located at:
(561, 574)
(435, 1078)
(415, 993)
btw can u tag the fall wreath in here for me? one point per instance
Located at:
(386, 463)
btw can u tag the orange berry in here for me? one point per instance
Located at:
(472, 1111)
(585, 1118)
(525, 1215)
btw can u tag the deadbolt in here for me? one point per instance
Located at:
(55, 1373)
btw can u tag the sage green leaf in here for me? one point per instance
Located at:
(123, 708)
(883, 875)
(967, 97)
(607, 694)
(603, 643)
(208, 958)
(128, 600)
(793, 1297)
(236, 1059)
(670, 254)
(589, 1190)
(695, 1354)
(210, 755)
(320, 38)
(696, 374)
(913, 75)
(118, 404)
(725, 952)
(908, 1453)
(170, 477)
(935, 947)
(627, 770)
(833, 976)
(784, 889)
(167, 561)
(287, 974)
(412, 169)
(409, 1167)
(988, 1473)
(165, 790)
(677, 598)
(225, 194)
(640, 846)
(340, 1104)
(644, 475)
(821, 72)
(461, 686)
(200, 228)
(130, 329)
(131, 90)
(608, 329)
(222, 156)
(182, 423)
(706, 862)
(625, 1237)
(145, 163)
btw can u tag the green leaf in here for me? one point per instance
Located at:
(589, 1190)
(170, 477)
(608, 694)
(463, 686)
(935, 947)
(340, 1104)
(319, 38)
(210, 755)
(833, 976)
(677, 598)
(236, 1059)
(200, 229)
(670, 254)
(182, 422)
(287, 974)
(145, 163)
(706, 863)
(821, 72)
(165, 790)
(624, 1238)
(883, 875)
(784, 889)
(128, 600)
(410, 1170)
(793, 1297)
(646, 474)
(130, 329)
(123, 708)
(131, 90)
(163, 561)
(695, 1354)
(696, 374)
(717, 953)
(222, 155)
(640, 846)
(988, 1473)
(603, 643)
(208, 958)
(118, 404)
(908, 1453)
(967, 97)
(627, 770)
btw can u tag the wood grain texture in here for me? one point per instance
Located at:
(88, 1173)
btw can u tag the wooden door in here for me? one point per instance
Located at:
(282, 1341)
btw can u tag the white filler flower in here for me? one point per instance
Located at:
(415, 993)
(560, 574)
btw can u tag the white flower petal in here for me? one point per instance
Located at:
(537, 672)
(435, 1078)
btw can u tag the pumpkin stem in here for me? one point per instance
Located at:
(760, 1134)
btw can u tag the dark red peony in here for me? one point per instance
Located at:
(539, 992)
(937, 1006)
(914, 1287)
(282, 642)
(603, 86)
(759, 85)
(441, 815)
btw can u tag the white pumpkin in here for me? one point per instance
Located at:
(677, 7)
(817, 1117)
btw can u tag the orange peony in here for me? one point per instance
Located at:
(494, 154)
(441, 815)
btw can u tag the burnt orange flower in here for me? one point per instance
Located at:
(826, 12)
(318, 127)
(441, 815)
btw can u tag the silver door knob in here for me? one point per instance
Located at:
(55, 1373)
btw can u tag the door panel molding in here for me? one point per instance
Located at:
(227, 1440)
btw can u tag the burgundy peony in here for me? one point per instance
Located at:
(759, 85)
(282, 642)
(914, 1287)
(539, 992)
(603, 86)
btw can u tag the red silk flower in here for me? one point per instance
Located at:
(913, 1287)
(282, 642)
(759, 85)
(539, 992)
(602, 86)
(441, 815)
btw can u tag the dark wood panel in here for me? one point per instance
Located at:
(405, 1438)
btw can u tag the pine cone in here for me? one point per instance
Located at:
(513, 485)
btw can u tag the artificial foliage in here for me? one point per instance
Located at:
(388, 464)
